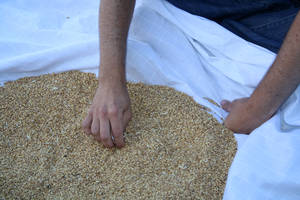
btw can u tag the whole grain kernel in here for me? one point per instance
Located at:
(174, 148)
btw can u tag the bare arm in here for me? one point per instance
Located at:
(278, 84)
(110, 112)
(114, 20)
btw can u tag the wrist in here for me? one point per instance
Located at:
(262, 106)
(112, 78)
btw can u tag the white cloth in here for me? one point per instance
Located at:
(166, 46)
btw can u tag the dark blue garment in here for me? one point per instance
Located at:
(263, 22)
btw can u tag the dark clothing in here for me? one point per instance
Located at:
(263, 22)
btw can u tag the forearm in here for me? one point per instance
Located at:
(114, 20)
(284, 75)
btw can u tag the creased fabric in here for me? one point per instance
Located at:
(170, 47)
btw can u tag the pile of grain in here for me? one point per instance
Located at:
(175, 150)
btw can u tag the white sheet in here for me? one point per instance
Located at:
(170, 47)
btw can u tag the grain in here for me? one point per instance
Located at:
(212, 101)
(174, 148)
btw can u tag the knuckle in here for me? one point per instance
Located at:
(113, 111)
(103, 112)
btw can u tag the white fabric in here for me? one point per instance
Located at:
(166, 46)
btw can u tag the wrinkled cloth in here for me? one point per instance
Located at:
(171, 47)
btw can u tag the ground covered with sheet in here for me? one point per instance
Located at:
(175, 149)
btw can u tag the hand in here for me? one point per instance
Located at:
(243, 117)
(109, 114)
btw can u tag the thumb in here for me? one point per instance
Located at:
(226, 105)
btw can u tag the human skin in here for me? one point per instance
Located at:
(278, 84)
(110, 111)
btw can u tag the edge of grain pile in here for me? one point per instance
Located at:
(174, 148)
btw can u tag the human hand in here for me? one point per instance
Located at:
(243, 117)
(109, 114)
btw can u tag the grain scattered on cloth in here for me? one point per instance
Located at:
(175, 150)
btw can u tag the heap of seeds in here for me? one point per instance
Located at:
(174, 148)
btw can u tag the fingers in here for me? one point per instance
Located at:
(86, 124)
(105, 135)
(226, 105)
(104, 125)
(126, 118)
(117, 129)
(95, 128)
